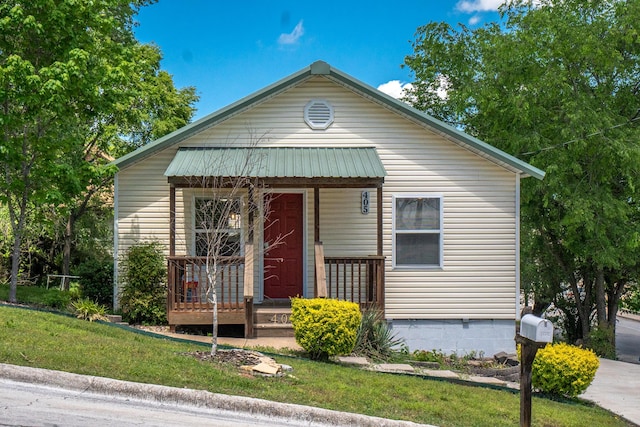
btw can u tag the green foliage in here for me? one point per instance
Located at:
(89, 310)
(76, 89)
(56, 299)
(38, 296)
(631, 300)
(144, 294)
(601, 341)
(374, 338)
(429, 356)
(325, 327)
(75, 291)
(564, 370)
(96, 278)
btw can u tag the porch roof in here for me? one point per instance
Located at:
(277, 162)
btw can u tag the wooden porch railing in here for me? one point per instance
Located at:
(189, 285)
(355, 279)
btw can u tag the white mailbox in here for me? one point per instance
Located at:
(536, 329)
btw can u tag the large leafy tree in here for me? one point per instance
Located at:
(73, 81)
(556, 83)
(146, 107)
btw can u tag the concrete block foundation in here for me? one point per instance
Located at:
(460, 336)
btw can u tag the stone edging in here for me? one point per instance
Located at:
(405, 368)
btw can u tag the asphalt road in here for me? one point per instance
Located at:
(628, 340)
(23, 404)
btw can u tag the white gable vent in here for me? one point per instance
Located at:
(318, 114)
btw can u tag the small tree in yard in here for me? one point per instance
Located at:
(225, 210)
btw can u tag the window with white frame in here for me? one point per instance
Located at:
(417, 230)
(218, 226)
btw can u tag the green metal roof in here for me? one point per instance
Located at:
(277, 162)
(320, 68)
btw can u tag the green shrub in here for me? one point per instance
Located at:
(563, 369)
(325, 327)
(75, 291)
(56, 299)
(601, 341)
(143, 298)
(429, 356)
(374, 338)
(96, 278)
(89, 310)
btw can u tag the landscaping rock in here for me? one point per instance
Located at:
(500, 371)
(353, 361)
(393, 367)
(506, 359)
(440, 374)
(247, 361)
(487, 380)
(427, 365)
(266, 368)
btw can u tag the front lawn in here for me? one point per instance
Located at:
(46, 340)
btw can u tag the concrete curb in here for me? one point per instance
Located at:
(198, 398)
(629, 315)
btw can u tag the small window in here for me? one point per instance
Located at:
(218, 227)
(417, 231)
(318, 114)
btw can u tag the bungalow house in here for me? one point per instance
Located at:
(375, 202)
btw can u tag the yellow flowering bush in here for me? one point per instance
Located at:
(325, 327)
(564, 369)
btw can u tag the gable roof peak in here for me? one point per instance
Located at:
(320, 68)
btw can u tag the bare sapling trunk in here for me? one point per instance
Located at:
(212, 297)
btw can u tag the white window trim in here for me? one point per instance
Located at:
(395, 232)
(196, 230)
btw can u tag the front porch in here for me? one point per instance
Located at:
(356, 279)
(261, 270)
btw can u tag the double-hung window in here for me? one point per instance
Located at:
(417, 231)
(218, 226)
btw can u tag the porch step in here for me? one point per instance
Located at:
(272, 322)
(275, 315)
(262, 330)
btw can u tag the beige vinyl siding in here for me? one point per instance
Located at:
(143, 202)
(478, 278)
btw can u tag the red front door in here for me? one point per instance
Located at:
(283, 247)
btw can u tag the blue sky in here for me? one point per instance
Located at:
(230, 49)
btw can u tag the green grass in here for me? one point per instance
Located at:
(50, 341)
(38, 296)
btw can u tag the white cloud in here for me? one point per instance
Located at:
(471, 6)
(475, 19)
(395, 88)
(292, 37)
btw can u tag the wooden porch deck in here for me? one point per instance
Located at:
(356, 279)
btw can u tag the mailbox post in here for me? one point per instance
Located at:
(534, 333)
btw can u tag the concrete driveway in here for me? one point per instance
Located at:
(616, 387)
